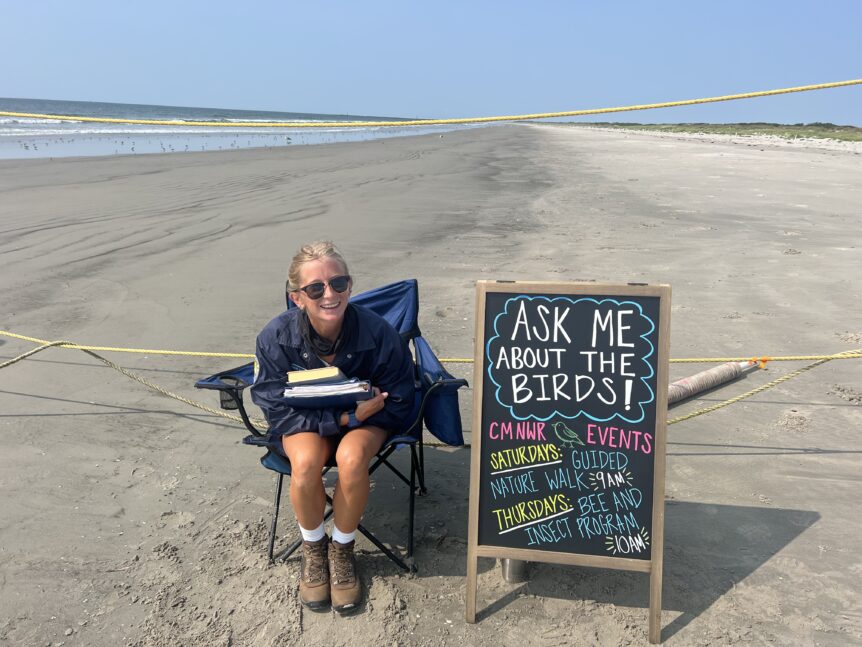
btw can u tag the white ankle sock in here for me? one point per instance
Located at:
(342, 537)
(312, 535)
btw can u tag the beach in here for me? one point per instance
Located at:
(131, 518)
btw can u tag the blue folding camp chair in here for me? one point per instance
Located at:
(435, 407)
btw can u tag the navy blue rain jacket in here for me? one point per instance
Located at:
(376, 353)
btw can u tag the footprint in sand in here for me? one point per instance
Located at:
(174, 519)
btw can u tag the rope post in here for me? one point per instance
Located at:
(514, 570)
(690, 386)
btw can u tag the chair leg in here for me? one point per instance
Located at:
(413, 464)
(422, 489)
(383, 549)
(290, 550)
(278, 483)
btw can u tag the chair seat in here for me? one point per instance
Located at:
(276, 463)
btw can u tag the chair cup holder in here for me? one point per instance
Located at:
(227, 400)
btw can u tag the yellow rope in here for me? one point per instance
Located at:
(137, 378)
(45, 345)
(262, 423)
(760, 389)
(781, 358)
(155, 387)
(446, 360)
(435, 122)
(146, 351)
(717, 360)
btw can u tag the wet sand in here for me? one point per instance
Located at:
(129, 518)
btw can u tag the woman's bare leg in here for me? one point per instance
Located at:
(307, 453)
(353, 455)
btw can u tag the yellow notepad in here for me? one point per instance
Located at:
(315, 375)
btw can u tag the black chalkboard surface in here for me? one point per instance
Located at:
(569, 424)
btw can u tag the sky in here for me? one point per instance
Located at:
(442, 59)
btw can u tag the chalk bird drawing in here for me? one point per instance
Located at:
(570, 438)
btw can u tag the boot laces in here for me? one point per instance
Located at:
(343, 565)
(315, 563)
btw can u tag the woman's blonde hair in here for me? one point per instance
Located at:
(312, 252)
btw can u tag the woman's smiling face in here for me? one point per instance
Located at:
(327, 312)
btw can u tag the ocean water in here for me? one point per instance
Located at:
(24, 137)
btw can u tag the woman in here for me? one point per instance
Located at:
(325, 330)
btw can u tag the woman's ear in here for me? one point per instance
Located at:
(297, 301)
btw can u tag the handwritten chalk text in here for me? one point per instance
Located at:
(528, 512)
(509, 484)
(525, 456)
(598, 459)
(518, 431)
(618, 438)
(606, 524)
(549, 532)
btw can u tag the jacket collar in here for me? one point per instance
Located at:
(289, 333)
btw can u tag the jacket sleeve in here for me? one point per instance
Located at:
(393, 373)
(268, 390)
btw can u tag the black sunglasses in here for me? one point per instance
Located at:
(316, 290)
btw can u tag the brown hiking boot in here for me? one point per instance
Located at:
(314, 579)
(346, 588)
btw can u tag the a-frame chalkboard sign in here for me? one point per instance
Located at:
(569, 423)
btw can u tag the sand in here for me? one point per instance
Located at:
(130, 518)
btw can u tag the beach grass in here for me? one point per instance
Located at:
(787, 131)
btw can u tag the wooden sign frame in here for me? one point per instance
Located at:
(652, 566)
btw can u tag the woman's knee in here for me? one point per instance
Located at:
(305, 469)
(352, 463)
(306, 463)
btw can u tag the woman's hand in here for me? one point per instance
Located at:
(368, 408)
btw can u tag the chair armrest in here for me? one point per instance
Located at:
(429, 386)
(230, 384)
(430, 382)
(237, 378)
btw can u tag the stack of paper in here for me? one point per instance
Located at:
(349, 387)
